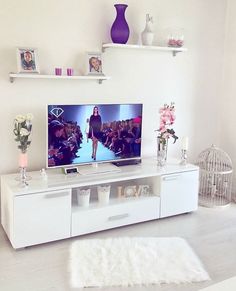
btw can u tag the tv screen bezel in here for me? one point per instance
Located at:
(138, 158)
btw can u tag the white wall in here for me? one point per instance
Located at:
(64, 30)
(228, 96)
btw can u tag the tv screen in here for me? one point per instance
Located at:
(83, 134)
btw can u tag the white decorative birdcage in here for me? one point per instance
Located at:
(215, 177)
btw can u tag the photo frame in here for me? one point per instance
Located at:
(145, 190)
(94, 63)
(27, 60)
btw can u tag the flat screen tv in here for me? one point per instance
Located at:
(89, 133)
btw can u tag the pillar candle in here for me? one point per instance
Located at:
(185, 143)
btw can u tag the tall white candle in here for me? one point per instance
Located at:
(185, 143)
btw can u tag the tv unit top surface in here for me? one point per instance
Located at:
(57, 180)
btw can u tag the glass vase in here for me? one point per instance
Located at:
(120, 28)
(23, 163)
(162, 147)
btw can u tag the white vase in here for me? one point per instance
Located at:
(83, 197)
(103, 194)
(147, 34)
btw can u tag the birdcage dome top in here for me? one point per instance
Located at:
(214, 159)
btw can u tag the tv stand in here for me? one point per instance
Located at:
(48, 210)
(97, 168)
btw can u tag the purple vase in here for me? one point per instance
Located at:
(120, 28)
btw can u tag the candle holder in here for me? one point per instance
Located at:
(23, 178)
(183, 159)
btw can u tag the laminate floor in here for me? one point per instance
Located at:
(46, 267)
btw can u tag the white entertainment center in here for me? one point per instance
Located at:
(48, 210)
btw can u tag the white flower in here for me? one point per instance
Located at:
(20, 118)
(24, 132)
(29, 116)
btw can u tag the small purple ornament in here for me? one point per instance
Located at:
(58, 71)
(120, 28)
(70, 72)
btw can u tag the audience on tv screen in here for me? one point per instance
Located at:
(65, 139)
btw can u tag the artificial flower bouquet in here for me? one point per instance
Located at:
(167, 119)
(22, 130)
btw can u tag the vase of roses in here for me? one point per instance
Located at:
(165, 131)
(22, 130)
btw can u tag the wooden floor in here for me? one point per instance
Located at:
(210, 232)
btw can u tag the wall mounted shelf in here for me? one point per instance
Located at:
(174, 50)
(98, 78)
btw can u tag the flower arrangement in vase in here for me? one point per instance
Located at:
(167, 119)
(22, 130)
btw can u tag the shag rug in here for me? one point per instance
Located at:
(134, 261)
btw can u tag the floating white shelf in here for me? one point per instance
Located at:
(174, 50)
(99, 78)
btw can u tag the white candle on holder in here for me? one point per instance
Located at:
(185, 143)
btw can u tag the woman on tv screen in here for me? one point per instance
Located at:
(95, 125)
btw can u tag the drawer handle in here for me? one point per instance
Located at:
(117, 217)
(56, 195)
(171, 178)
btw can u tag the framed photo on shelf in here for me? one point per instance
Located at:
(94, 63)
(27, 60)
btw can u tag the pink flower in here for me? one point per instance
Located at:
(167, 119)
(162, 129)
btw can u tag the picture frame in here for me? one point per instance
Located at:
(145, 190)
(27, 60)
(94, 63)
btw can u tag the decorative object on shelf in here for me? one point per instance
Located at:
(167, 119)
(58, 71)
(103, 193)
(44, 174)
(83, 197)
(147, 34)
(94, 63)
(119, 192)
(70, 72)
(120, 28)
(131, 191)
(176, 38)
(22, 130)
(27, 60)
(144, 190)
(216, 173)
(184, 150)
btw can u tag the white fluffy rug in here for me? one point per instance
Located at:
(132, 261)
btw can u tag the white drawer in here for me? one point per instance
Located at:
(128, 212)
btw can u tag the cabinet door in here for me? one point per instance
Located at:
(41, 217)
(179, 193)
